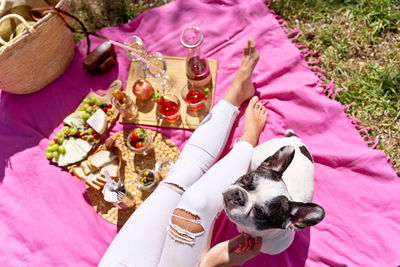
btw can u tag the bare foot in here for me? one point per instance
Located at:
(255, 117)
(242, 88)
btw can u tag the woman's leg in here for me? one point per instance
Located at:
(191, 223)
(140, 241)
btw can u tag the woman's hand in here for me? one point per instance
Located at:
(225, 254)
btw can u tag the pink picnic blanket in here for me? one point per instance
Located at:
(46, 219)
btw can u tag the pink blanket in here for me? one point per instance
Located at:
(46, 219)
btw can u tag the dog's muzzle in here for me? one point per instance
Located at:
(234, 198)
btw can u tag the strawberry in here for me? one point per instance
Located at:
(105, 110)
(138, 144)
(109, 106)
(135, 136)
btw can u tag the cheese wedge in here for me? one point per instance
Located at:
(98, 121)
(75, 119)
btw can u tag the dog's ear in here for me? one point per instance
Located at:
(279, 161)
(303, 215)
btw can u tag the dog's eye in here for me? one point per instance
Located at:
(259, 212)
(247, 179)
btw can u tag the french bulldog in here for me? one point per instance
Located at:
(272, 201)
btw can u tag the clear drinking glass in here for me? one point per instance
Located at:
(194, 97)
(168, 108)
(139, 46)
(163, 166)
(147, 179)
(127, 110)
(163, 81)
(197, 67)
(141, 150)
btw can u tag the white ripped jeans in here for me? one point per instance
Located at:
(173, 227)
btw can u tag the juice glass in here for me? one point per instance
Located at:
(168, 108)
(194, 97)
(128, 110)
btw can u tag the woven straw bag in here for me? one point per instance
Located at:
(37, 56)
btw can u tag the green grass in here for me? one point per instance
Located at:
(358, 40)
(359, 44)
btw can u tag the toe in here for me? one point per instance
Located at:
(246, 50)
(253, 101)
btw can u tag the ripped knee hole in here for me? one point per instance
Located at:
(184, 226)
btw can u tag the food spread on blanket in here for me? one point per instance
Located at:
(83, 129)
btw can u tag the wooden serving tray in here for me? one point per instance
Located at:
(176, 70)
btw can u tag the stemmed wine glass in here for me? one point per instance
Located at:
(163, 81)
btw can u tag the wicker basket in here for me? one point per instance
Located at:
(37, 56)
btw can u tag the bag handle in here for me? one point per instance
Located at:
(14, 16)
(35, 13)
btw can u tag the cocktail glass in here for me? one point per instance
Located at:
(168, 108)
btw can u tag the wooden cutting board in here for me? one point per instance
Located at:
(176, 70)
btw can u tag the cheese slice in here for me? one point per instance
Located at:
(76, 150)
(98, 121)
(75, 119)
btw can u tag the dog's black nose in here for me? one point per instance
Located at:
(238, 198)
(234, 198)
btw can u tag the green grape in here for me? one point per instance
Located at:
(90, 131)
(82, 108)
(54, 147)
(89, 109)
(61, 140)
(86, 101)
(51, 143)
(65, 129)
(60, 134)
(73, 131)
(61, 149)
(93, 100)
(86, 116)
(98, 102)
(55, 154)
(49, 155)
(48, 149)
(86, 106)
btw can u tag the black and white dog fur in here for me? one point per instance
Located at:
(272, 201)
